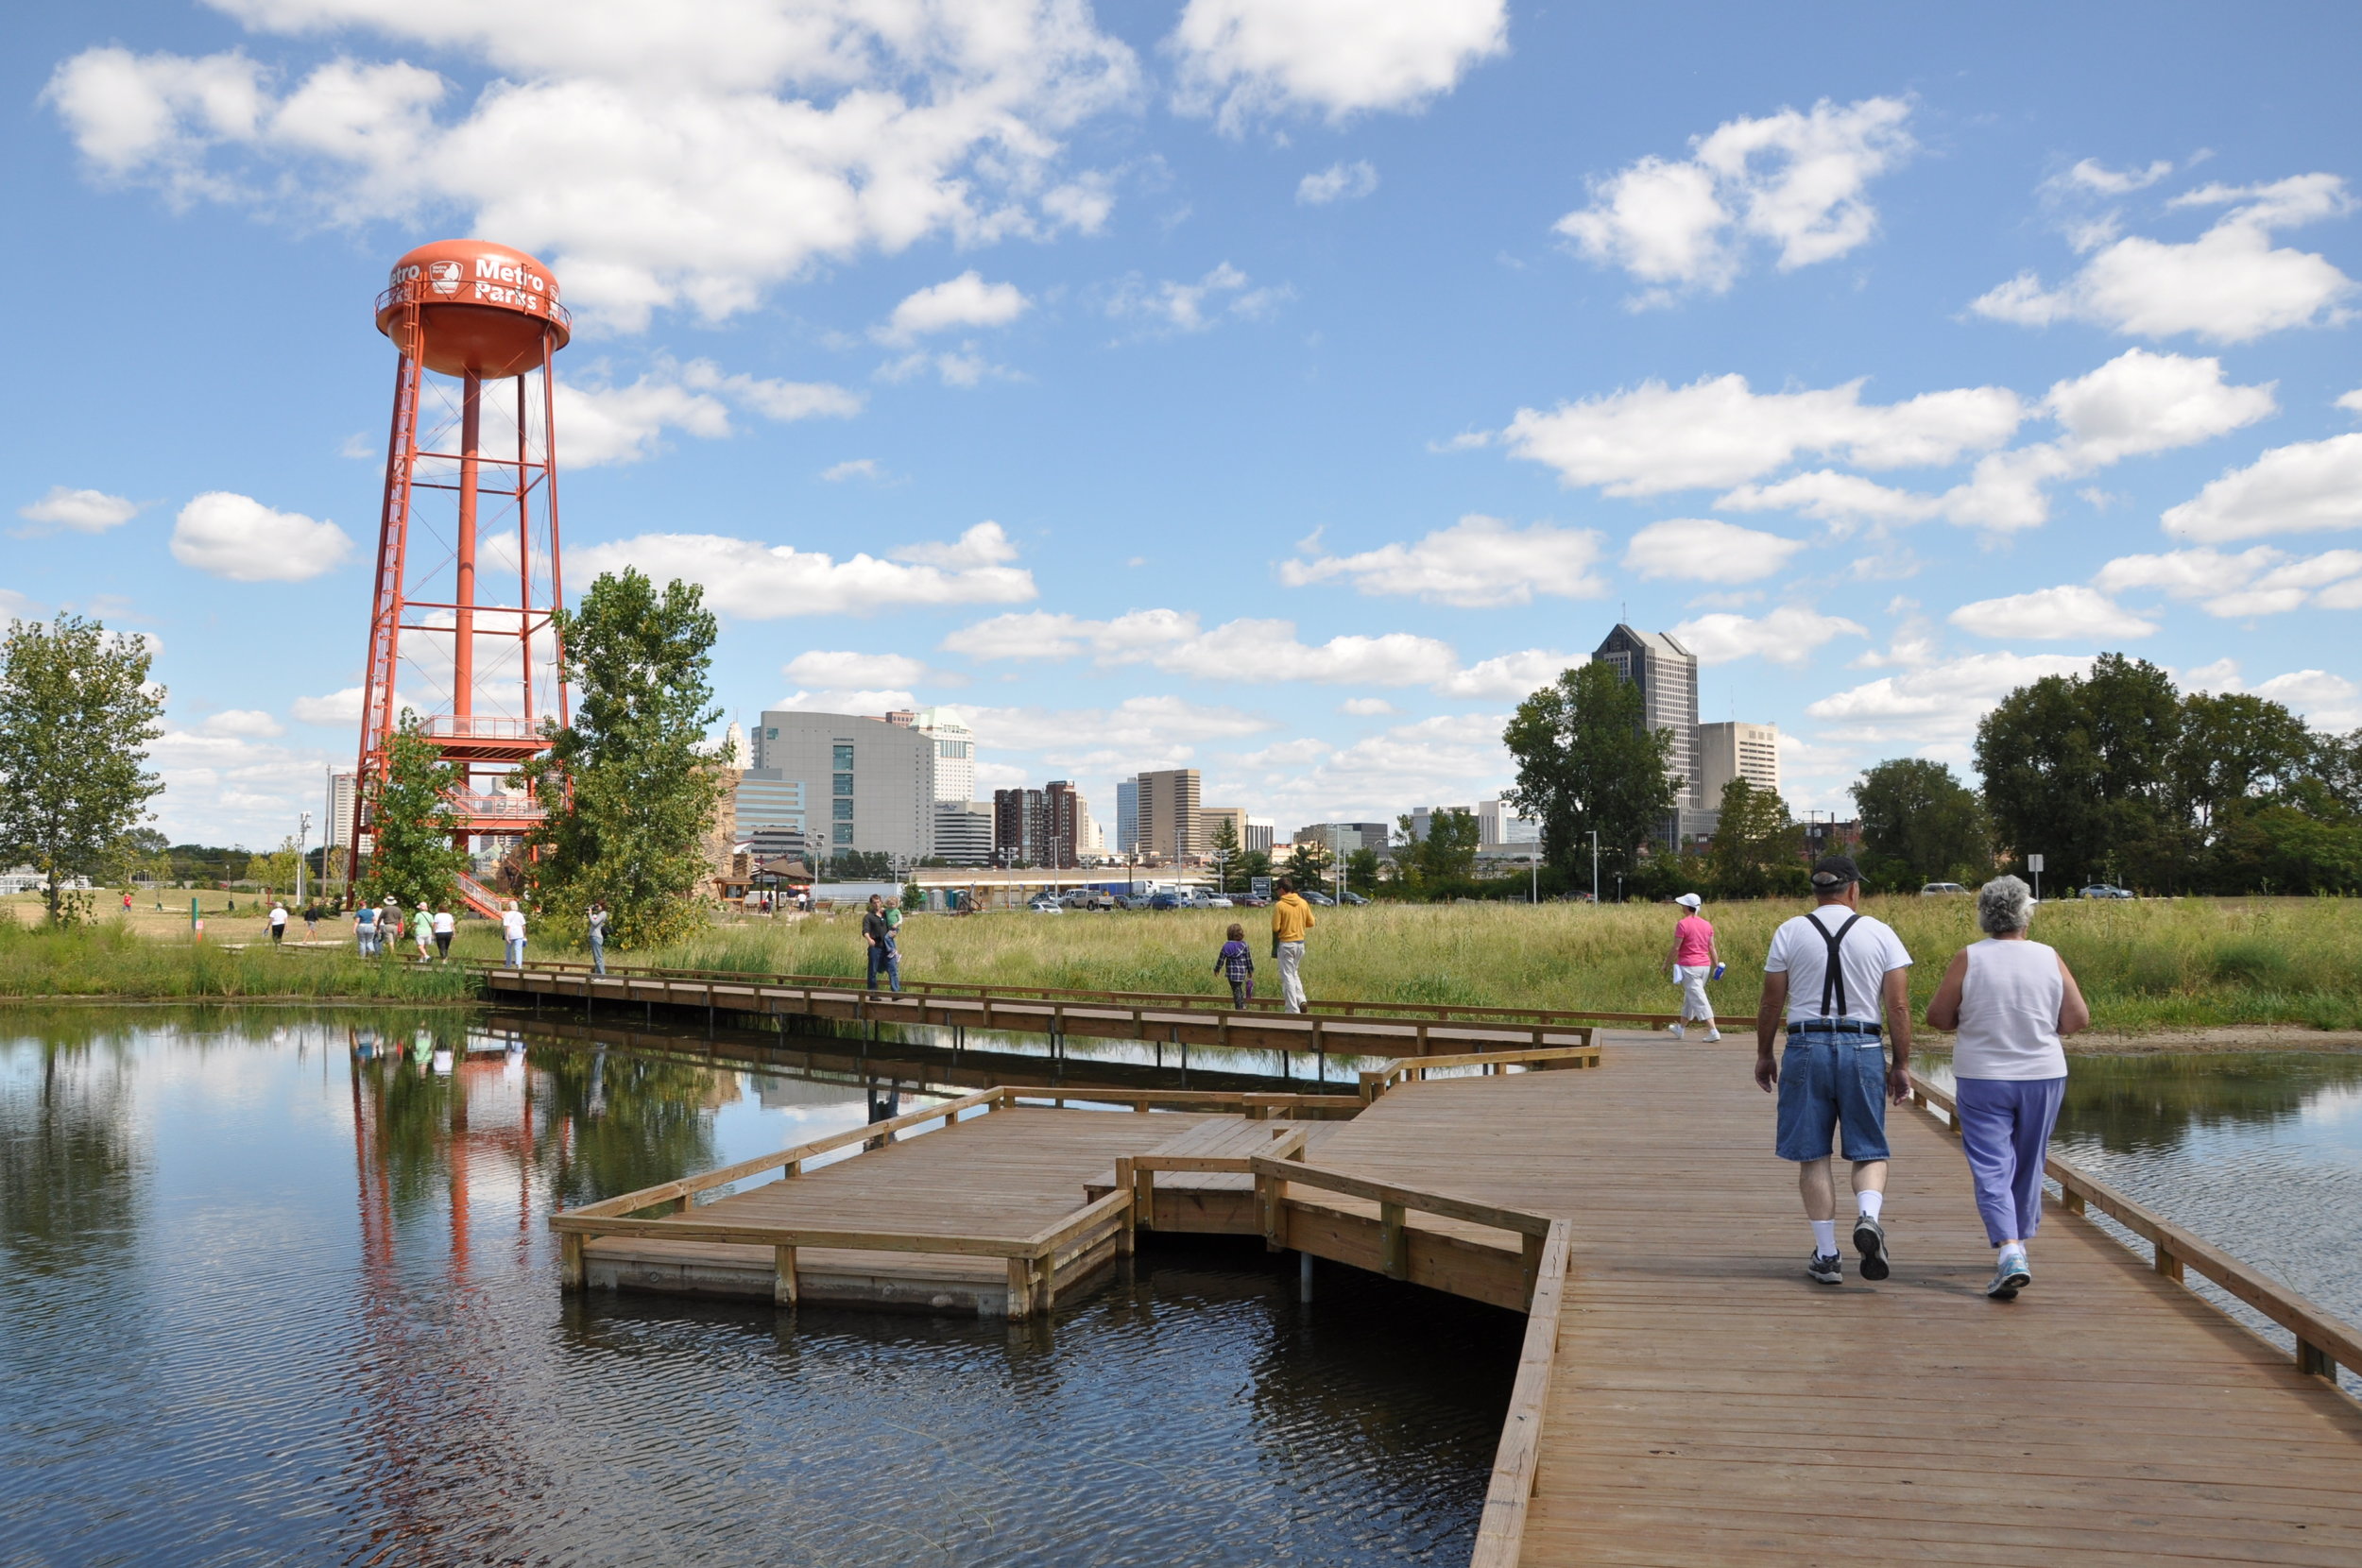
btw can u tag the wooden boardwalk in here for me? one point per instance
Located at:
(1708, 1405)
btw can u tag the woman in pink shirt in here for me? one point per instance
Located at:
(1694, 959)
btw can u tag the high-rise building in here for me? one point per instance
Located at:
(1344, 838)
(876, 778)
(1210, 818)
(767, 798)
(1666, 674)
(1261, 833)
(1063, 819)
(1735, 750)
(1016, 828)
(955, 752)
(1425, 815)
(1128, 817)
(964, 831)
(1501, 831)
(1168, 815)
(339, 827)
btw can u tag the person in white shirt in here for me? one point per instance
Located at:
(513, 934)
(445, 925)
(2011, 1000)
(1833, 974)
(278, 923)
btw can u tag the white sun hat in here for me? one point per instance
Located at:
(1688, 899)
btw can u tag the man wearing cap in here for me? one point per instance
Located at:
(1833, 973)
(1693, 959)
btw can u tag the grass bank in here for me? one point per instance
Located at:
(111, 959)
(2145, 965)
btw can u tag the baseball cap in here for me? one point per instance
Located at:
(1689, 900)
(1835, 871)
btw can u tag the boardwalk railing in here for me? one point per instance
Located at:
(1376, 1080)
(2324, 1342)
(1502, 1531)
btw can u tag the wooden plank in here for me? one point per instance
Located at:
(1449, 1206)
(1501, 1530)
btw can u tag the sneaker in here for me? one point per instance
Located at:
(1712, 1035)
(1827, 1267)
(2010, 1275)
(1677, 1033)
(1870, 1240)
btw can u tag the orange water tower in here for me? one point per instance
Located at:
(466, 583)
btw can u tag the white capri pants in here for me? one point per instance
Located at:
(1694, 1003)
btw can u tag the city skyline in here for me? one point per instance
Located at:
(1282, 401)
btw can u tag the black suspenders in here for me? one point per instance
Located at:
(1833, 978)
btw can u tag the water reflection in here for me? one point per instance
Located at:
(278, 1289)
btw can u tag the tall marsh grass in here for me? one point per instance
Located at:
(2151, 964)
(110, 960)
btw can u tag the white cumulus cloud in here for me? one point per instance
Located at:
(602, 422)
(763, 582)
(1477, 561)
(1789, 636)
(1171, 306)
(1337, 182)
(83, 511)
(1795, 181)
(966, 301)
(1702, 549)
(672, 164)
(2071, 613)
(250, 723)
(2306, 488)
(238, 537)
(1248, 652)
(851, 669)
(1937, 704)
(2257, 581)
(1517, 674)
(1240, 60)
(2231, 284)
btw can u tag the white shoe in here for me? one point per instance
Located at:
(1677, 1033)
(1713, 1035)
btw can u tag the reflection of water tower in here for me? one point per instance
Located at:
(467, 548)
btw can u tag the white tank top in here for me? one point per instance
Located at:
(2010, 1013)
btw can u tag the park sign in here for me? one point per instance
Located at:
(1259, 886)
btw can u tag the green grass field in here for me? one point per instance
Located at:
(2181, 964)
(2147, 965)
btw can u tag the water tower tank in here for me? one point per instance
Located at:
(483, 309)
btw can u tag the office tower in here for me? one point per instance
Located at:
(955, 752)
(1128, 817)
(876, 778)
(1211, 817)
(1735, 750)
(1261, 833)
(1016, 828)
(964, 831)
(1501, 831)
(1168, 815)
(339, 824)
(1062, 818)
(1666, 674)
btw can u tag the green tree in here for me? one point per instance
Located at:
(76, 713)
(276, 871)
(1361, 871)
(411, 856)
(630, 788)
(1920, 824)
(1226, 850)
(1585, 763)
(1756, 852)
(1307, 863)
(1447, 853)
(1253, 863)
(2081, 769)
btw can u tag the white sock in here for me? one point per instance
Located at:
(1871, 1203)
(1825, 1237)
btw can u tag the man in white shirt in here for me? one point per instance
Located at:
(278, 923)
(1833, 974)
(513, 933)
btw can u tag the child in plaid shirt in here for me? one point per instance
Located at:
(1237, 965)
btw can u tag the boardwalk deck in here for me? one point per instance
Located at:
(1709, 1405)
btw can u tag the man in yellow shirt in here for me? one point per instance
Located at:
(1291, 917)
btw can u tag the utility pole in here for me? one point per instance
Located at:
(304, 836)
(1595, 866)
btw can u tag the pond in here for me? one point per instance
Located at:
(278, 1289)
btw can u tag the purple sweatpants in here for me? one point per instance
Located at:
(2005, 1130)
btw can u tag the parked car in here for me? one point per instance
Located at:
(1941, 890)
(1315, 896)
(1353, 897)
(1046, 906)
(1248, 901)
(1089, 898)
(2102, 890)
(1211, 901)
(1164, 902)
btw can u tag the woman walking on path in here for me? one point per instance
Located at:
(422, 930)
(596, 919)
(513, 934)
(2009, 999)
(446, 925)
(1694, 958)
(1236, 965)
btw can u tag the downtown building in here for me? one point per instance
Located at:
(860, 784)
(1049, 827)
(1166, 816)
(1701, 758)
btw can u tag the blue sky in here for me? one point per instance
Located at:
(1279, 389)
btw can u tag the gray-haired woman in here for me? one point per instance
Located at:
(2010, 1000)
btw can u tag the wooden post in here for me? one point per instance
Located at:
(1020, 1288)
(1045, 1280)
(1267, 1200)
(2314, 1362)
(1395, 1246)
(783, 1276)
(2073, 1201)
(1532, 1273)
(2168, 1264)
(572, 1273)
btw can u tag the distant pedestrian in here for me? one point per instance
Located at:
(876, 934)
(1291, 917)
(278, 923)
(127, 900)
(365, 929)
(446, 925)
(513, 934)
(312, 920)
(1694, 960)
(596, 920)
(2010, 999)
(423, 929)
(1831, 973)
(1236, 964)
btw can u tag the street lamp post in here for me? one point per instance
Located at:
(1534, 866)
(1595, 868)
(304, 836)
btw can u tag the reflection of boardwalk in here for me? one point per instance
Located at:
(1709, 1405)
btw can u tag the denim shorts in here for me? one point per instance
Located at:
(1828, 1082)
